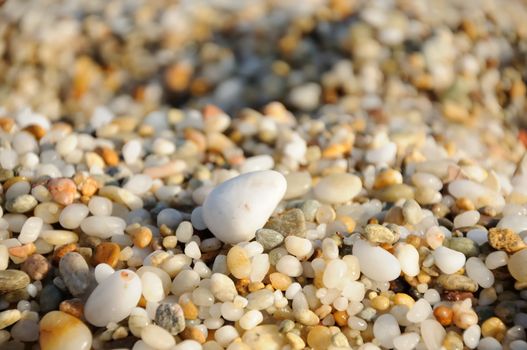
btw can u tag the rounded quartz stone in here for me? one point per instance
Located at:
(236, 208)
(448, 260)
(337, 188)
(517, 263)
(376, 263)
(59, 330)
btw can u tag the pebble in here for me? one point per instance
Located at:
(515, 223)
(463, 245)
(238, 262)
(59, 330)
(170, 317)
(496, 259)
(107, 253)
(406, 341)
(385, 329)
(433, 334)
(444, 315)
(122, 290)
(36, 266)
(375, 262)
(76, 273)
(458, 283)
(289, 223)
(268, 238)
(103, 227)
(478, 272)
(235, 209)
(337, 188)
(448, 260)
(223, 287)
(419, 311)
(264, 337)
(157, 337)
(408, 257)
(471, 336)
(21, 204)
(72, 215)
(298, 184)
(62, 190)
(505, 239)
(9, 317)
(379, 234)
(516, 265)
(11, 280)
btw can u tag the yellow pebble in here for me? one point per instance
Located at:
(403, 299)
(493, 327)
(380, 303)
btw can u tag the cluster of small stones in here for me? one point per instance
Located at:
(392, 217)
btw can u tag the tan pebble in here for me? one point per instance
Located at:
(7, 124)
(59, 330)
(465, 204)
(403, 299)
(264, 337)
(62, 190)
(444, 315)
(341, 318)
(307, 317)
(88, 187)
(493, 327)
(107, 253)
(465, 318)
(386, 178)
(92, 159)
(295, 341)
(254, 286)
(238, 262)
(348, 222)
(189, 310)
(8, 317)
(323, 311)
(453, 341)
(36, 266)
(280, 281)
(319, 338)
(74, 307)
(193, 333)
(22, 251)
(170, 242)
(505, 239)
(109, 155)
(36, 130)
(142, 237)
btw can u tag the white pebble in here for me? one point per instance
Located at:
(337, 188)
(471, 336)
(408, 257)
(139, 184)
(432, 333)
(376, 263)
(102, 271)
(184, 232)
(72, 215)
(489, 343)
(251, 319)
(169, 217)
(100, 206)
(157, 337)
(152, 287)
(30, 230)
(103, 226)
(406, 341)
(298, 246)
(257, 163)
(496, 259)
(468, 218)
(385, 329)
(448, 260)
(192, 250)
(419, 311)
(477, 271)
(290, 266)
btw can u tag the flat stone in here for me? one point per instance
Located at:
(457, 283)
(290, 222)
(170, 317)
(394, 192)
(8, 317)
(379, 234)
(268, 238)
(11, 280)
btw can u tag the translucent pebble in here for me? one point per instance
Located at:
(432, 296)
(30, 230)
(480, 236)
(72, 215)
(66, 145)
(213, 323)
(169, 217)
(385, 329)
(102, 271)
(471, 336)
(408, 257)
(256, 163)
(100, 206)
(230, 312)
(8, 158)
(426, 180)
(103, 226)
(419, 311)
(298, 246)
(259, 267)
(251, 319)
(17, 189)
(253, 249)
(337, 188)
(432, 333)
(131, 151)
(489, 343)
(152, 287)
(196, 218)
(468, 218)
(138, 184)
(188, 344)
(192, 250)
(290, 266)
(334, 273)
(184, 232)
(496, 259)
(376, 263)
(157, 337)
(184, 282)
(298, 184)
(448, 260)
(202, 296)
(517, 223)
(330, 248)
(225, 335)
(406, 341)
(518, 345)
(260, 299)
(477, 271)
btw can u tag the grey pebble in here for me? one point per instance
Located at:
(170, 317)
(268, 238)
(50, 298)
(76, 273)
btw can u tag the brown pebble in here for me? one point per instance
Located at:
(505, 239)
(444, 315)
(142, 237)
(63, 190)
(74, 307)
(319, 338)
(7, 123)
(107, 253)
(63, 250)
(456, 295)
(193, 333)
(341, 318)
(36, 266)
(109, 155)
(35, 130)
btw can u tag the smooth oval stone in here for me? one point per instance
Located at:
(103, 226)
(517, 223)
(477, 193)
(72, 216)
(448, 260)
(337, 188)
(477, 271)
(298, 184)
(257, 163)
(30, 230)
(59, 330)
(385, 329)
(517, 265)
(236, 208)
(408, 257)
(113, 299)
(375, 262)
(432, 333)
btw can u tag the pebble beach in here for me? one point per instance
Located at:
(263, 175)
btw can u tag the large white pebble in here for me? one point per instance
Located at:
(517, 223)
(71, 216)
(406, 341)
(337, 188)
(471, 336)
(385, 329)
(30, 230)
(256, 163)
(157, 337)
(448, 260)
(478, 271)
(103, 226)
(433, 334)
(236, 208)
(375, 262)
(113, 299)
(408, 257)
(419, 311)
(100, 206)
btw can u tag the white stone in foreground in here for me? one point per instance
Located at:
(375, 262)
(236, 208)
(448, 260)
(113, 299)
